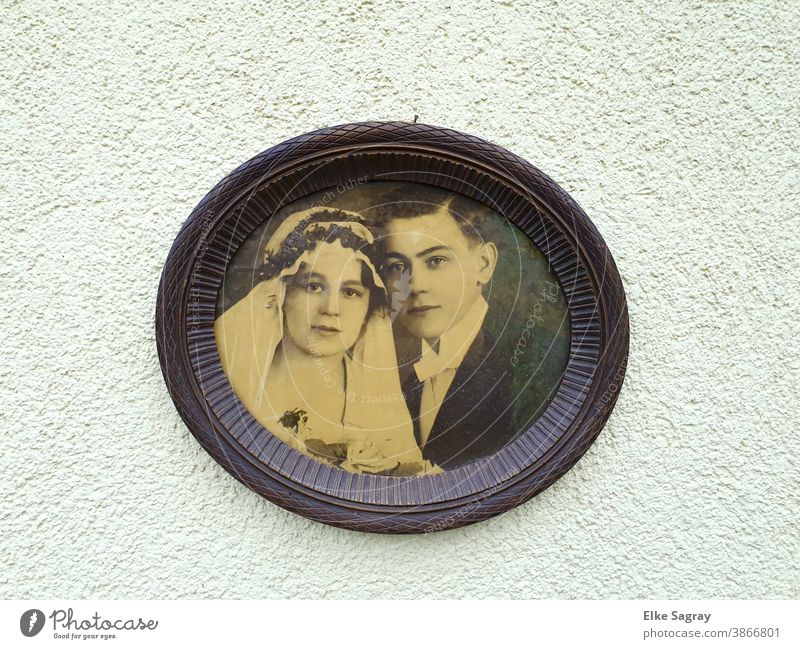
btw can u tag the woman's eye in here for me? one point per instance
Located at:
(314, 287)
(434, 262)
(351, 292)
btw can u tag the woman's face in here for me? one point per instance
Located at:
(326, 303)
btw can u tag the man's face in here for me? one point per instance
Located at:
(445, 271)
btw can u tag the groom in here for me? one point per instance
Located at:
(436, 264)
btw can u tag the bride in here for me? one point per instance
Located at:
(310, 353)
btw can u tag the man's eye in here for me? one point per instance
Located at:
(397, 267)
(434, 262)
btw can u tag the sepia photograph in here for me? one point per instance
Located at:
(391, 328)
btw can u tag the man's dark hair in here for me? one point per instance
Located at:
(407, 202)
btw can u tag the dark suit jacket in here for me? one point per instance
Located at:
(475, 419)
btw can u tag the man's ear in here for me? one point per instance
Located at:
(487, 262)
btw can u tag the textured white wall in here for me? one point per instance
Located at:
(673, 124)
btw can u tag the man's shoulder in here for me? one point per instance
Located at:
(485, 353)
(483, 378)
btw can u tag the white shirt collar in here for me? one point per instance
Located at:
(453, 344)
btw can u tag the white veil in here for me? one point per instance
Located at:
(249, 332)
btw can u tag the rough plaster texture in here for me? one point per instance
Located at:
(673, 124)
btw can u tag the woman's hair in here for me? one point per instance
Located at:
(315, 229)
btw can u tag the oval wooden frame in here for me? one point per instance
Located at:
(420, 153)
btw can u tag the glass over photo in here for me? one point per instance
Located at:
(391, 328)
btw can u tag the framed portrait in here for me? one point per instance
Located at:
(392, 327)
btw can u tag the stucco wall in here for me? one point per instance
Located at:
(673, 124)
